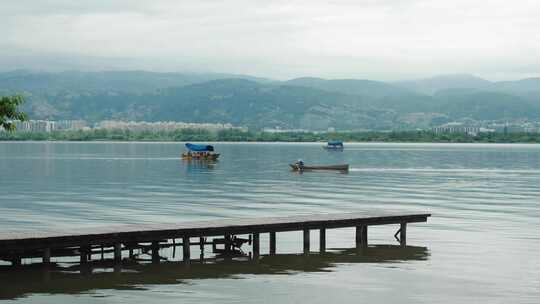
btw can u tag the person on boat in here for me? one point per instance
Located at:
(300, 164)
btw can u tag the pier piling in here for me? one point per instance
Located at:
(361, 236)
(306, 241)
(228, 239)
(272, 243)
(47, 256)
(322, 240)
(403, 234)
(256, 246)
(84, 254)
(117, 252)
(155, 252)
(16, 261)
(186, 246)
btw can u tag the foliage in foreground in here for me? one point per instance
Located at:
(237, 135)
(9, 111)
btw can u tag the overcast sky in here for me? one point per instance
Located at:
(375, 39)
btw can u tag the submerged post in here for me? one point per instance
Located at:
(272, 243)
(256, 246)
(187, 253)
(403, 234)
(306, 241)
(322, 240)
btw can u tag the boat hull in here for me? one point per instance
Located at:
(344, 167)
(208, 157)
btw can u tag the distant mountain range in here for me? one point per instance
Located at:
(307, 103)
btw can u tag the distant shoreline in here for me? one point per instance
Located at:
(197, 135)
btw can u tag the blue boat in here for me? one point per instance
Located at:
(200, 152)
(334, 145)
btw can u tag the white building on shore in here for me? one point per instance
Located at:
(162, 126)
(45, 126)
(458, 127)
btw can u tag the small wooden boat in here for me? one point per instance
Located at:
(297, 167)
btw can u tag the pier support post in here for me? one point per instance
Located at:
(256, 246)
(228, 240)
(47, 256)
(155, 252)
(361, 236)
(117, 252)
(322, 240)
(306, 241)
(201, 247)
(16, 261)
(84, 254)
(186, 250)
(403, 234)
(273, 243)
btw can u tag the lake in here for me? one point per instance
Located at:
(482, 243)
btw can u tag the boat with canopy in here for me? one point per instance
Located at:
(200, 152)
(334, 145)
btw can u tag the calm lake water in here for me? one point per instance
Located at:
(482, 244)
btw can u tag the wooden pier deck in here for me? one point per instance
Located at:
(119, 238)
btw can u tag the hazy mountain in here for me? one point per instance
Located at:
(379, 94)
(520, 86)
(485, 105)
(308, 103)
(237, 101)
(110, 81)
(366, 88)
(432, 85)
(528, 89)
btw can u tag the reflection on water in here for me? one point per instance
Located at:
(104, 275)
(195, 165)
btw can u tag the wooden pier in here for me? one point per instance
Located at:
(227, 233)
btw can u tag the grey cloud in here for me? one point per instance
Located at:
(381, 39)
(73, 7)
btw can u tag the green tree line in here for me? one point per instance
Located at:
(252, 136)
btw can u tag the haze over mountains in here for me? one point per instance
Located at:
(305, 103)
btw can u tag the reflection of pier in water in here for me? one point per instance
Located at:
(106, 274)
